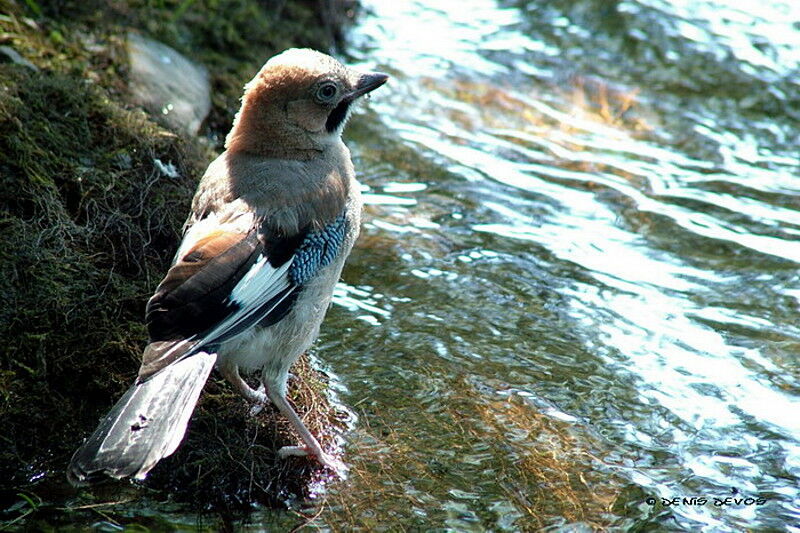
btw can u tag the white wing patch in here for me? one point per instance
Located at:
(259, 285)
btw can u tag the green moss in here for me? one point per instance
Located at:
(232, 38)
(88, 226)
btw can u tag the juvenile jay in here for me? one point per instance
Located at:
(272, 222)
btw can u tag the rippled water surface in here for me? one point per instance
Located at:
(577, 285)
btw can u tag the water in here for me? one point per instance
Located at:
(577, 285)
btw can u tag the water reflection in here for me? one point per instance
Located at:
(577, 285)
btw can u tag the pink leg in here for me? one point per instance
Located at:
(258, 397)
(311, 444)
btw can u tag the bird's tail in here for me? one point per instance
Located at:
(146, 425)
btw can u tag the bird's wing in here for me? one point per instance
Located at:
(227, 278)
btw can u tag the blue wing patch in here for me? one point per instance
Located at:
(317, 250)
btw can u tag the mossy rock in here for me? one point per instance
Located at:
(89, 225)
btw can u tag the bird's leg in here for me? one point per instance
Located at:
(312, 446)
(258, 397)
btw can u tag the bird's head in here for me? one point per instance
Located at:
(298, 102)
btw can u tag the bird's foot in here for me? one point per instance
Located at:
(338, 467)
(259, 400)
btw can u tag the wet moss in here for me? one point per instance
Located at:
(88, 223)
(228, 461)
(545, 470)
(88, 226)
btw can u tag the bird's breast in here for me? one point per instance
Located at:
(273, 348)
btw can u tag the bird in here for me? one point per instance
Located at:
(272, 221)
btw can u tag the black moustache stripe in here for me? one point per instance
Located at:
(337, 116)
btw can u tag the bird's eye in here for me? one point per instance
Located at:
(326, 92)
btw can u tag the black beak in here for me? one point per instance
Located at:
(368, 83)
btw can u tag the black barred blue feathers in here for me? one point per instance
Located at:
(317, 251)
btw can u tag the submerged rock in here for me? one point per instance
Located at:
(168, 84)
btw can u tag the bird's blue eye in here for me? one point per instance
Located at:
(326, 92)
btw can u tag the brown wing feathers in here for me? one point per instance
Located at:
(191, 297)
(194, 295)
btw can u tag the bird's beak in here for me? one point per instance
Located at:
(368, 83)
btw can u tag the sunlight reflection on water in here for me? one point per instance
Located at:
(606, 230)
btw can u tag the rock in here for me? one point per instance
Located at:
(168, 84)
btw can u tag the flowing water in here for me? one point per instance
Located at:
(575, 299)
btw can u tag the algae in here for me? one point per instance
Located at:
(88, 226)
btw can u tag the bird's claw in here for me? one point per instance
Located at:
(334, 464)
(293, 451)
(259, 401)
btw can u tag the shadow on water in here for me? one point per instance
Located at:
(577, 284)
